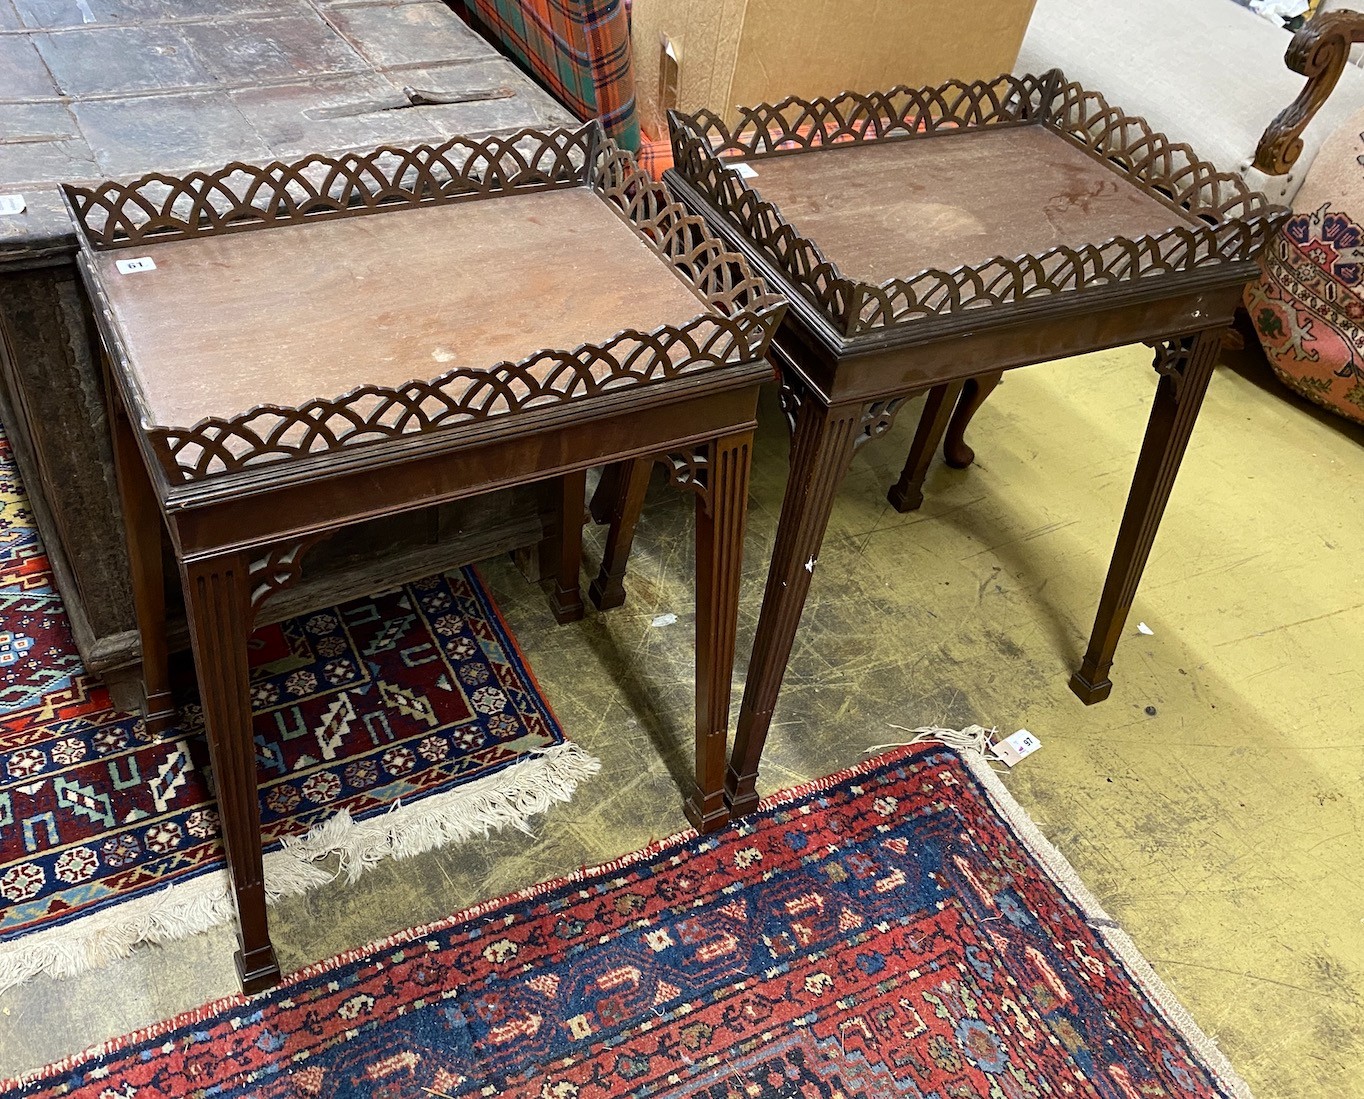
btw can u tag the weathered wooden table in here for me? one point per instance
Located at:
(263, 328)
(96, 88)
(925, 237)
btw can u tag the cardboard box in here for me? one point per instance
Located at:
(733, 52)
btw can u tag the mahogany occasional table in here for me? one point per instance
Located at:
(926, 237)
(263, 327)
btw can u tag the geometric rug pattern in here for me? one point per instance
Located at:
(401, 698)
(894, 931)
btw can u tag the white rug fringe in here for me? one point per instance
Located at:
(508, 798)
(973, 738)
(971, 742)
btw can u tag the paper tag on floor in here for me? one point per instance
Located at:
(11, 204)
(1012, 750)
(746, 170)
(133, 266)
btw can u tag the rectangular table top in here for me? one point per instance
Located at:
(230, 321)
(93, 89)
(891, 209)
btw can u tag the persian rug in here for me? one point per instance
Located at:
(899, 929)
(384, 727)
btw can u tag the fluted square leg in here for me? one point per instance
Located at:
(561, 552)
(1185, 365)
(821, 453)
(142, 526)
(719, 562)
(218, 602)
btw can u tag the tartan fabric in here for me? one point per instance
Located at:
(655, 156)
(580, 51)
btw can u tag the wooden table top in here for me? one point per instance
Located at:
(231, 321)
(891, 209)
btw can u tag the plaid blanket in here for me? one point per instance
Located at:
(579, 49)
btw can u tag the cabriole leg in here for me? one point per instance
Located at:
(908, 492)
(955, 451)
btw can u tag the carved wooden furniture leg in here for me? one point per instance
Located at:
(955, 450)
(604, 495)
(218, 598)
(821, 453)
(561, 553)
(720, 514)
(1185, 365)
(631, 483)
(142, 526)
(908, 492)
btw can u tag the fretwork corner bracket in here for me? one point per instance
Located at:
(278, 568)
(689, 470)
(878, 417)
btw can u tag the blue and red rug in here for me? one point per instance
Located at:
(897, 930)
(417, 699)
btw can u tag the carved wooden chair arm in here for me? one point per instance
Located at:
(1320, 51)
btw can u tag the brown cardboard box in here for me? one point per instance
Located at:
(733, 52)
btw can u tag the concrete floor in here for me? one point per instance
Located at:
(1214, 803)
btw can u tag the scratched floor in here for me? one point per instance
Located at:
(1214, 803)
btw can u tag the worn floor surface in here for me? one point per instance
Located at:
(1214, 803)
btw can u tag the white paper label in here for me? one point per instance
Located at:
(1014, 749)
(746, 170)
(11, 204)
(133, 266)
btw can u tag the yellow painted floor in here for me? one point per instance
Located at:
(1214, 803)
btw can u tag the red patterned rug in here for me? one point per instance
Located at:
(417, 699)
(898, 930)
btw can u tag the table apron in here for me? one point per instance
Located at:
(886, 371)
(331, 502)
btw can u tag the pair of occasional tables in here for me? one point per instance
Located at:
(295, 348)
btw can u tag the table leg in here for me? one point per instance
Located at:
(218, 603)
(1185, 365)
(608, 488)
(631, 482)
(955, 450)
(908, 492)
(720, 516)
(142, 529)
(561, 554)
(822, 450)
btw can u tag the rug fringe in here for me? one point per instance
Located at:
(476, 809)
(509, 798)
(1059, 869)
(973, 738)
